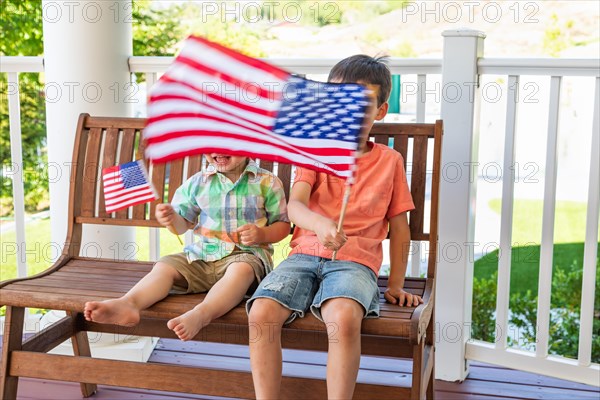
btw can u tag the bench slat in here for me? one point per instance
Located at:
(417, 184)
(90, 172)
(401, 146)
(127, 155)
(109, 158)
(158, 180)
(66, 275)
(194, 165)
(381, 139)
(267, 164)
(65, 286)
(284, 172)
(389, 324)
(175, 177)
(233, 381)
(106, 263)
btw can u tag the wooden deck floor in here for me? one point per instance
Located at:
(484, 382)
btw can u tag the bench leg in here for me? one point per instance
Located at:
(417, 392)
(12, 340)
(430, 395)
(430, 341)
(81, 347)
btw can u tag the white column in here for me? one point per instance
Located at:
(454, 277)
(86, 50)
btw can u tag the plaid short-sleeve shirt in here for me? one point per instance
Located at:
(219, 207)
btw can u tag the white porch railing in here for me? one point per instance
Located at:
(581, 370)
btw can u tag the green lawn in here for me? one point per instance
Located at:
(569, 235)
(40, 252)
(569, 223)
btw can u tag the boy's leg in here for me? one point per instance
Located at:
(227, 293)
(343, 318)
(347, 294)
(266, 320)
(126, 310)
(283, 295)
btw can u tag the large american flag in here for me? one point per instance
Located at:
(127, 185)
(214, 99)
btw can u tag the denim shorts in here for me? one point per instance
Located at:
(302, 281)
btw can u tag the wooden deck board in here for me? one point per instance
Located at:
(485, 381)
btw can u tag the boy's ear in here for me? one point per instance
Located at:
(382, 111)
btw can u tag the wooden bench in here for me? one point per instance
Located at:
(399, 332)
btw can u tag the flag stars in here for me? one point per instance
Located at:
(321, 110)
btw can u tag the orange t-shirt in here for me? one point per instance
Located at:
(379, 193)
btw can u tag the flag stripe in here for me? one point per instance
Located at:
(208, 144)
(259, 121)
(171, 129)
(136, 192)
(213, 87)
(166, 109)
(129, 203)
(344, 171)
(243, 87)
(241, 59)
(312, 152)
(249, 111)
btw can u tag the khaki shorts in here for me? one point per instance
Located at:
(202, 275)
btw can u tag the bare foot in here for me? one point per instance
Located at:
(116, 311)
(187, 325)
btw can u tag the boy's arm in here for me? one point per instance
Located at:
(252, 235)
(399, 246)
(175, 223)
(302, 216)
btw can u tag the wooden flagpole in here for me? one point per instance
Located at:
(343, 213)
(171, 225)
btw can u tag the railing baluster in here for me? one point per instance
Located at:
(16, 156)
(421, 97)
(504, 259)
(154, 233)
(547, 245)
(591, 242)
(415, 268)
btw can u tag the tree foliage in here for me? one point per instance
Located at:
(155, 33)
(564, 315)
(21, 35)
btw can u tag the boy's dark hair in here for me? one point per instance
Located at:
(367, 69)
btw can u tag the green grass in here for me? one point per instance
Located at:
(569, 223)
(569, 235)
(525, 263)
(40, 251)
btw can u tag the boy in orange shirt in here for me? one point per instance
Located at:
(344, 291)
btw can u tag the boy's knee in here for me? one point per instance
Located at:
(241, 269)
(343, 318)
(266, 311)
(166, 269)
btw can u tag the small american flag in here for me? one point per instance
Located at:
(127, 185)
(213, 99)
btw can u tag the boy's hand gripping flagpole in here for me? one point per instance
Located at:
(343, 213)
(176, 235)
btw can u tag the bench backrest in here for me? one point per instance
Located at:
(103, 142)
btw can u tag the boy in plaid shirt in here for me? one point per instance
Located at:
(236, 210)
